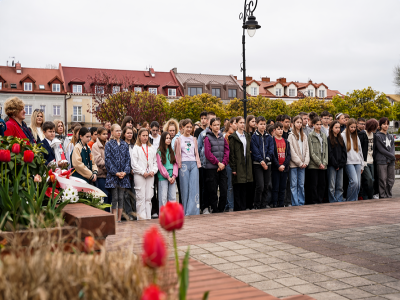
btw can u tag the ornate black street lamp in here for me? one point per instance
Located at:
(249, 23)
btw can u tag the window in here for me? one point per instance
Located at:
(195, 91)
(216, 92)
(13, 85)
(77, 116)
(28, 110)
(27, 86)
(116, 89)
(278, 92)
(172, 92)
(292, 92)
(322, 94)
(56, 87)
(153, 91)
(310, 93)
(41, 86)
(138, 89)
(253, 91)
(57, 110)
(232, 93)
(1, 85)
(99, 89)
(43, 108)
(77, 88)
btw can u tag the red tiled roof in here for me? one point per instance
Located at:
(55, 78)
(37, 75)
(139, 78)
(206, 78)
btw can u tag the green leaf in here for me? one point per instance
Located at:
(184, 278)
(11, 164)
(206, 294)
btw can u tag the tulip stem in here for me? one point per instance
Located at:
(27, 175)
(176, 254)
(15, 165)
(155, 276)
(2, 175)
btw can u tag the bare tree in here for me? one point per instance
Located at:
(396, 80)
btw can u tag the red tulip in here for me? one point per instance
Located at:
(5, 156)
(154, 250)
(16, 148)
(153, 292)
(49, 191)
(172, 216)
(89, 244)
(28, 156)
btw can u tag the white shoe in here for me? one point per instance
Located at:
(231, 210)
(206, 212)
(154, 216)
(375, 196)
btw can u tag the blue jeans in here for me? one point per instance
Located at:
(335, 184)
(229, 202)
(279, 180)
(297, 176)
(189, 183)
(354, 174)
(101, 184)
(166, 192)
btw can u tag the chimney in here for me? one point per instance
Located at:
(266, 79)
(249, 78)
(175, 70)
(152, 72)
(18, 68)
(281, 80)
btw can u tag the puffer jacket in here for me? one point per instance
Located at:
(298, 158)
(316, 159)
(99, 158)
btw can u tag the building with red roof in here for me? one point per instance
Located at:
(39, 88)
(288, 91)
(80, 84)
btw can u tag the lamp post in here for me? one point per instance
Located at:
(249, 23)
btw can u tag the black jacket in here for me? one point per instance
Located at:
(337, 156)
(275, 159)
(362, 135)
(50, 156)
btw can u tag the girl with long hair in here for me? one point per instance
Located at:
(144, 166)
(129, 195)
(82, 158)
(231, 128)
(368, 176)
(187, 157)
(168, 170)
(250, 124)
(337, 158)
(98, 151)
(128, 122)
(300, 158)
(70, 147)
(37, 121)
(118, 168)
(355, 159)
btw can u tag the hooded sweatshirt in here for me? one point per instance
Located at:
(384, 154)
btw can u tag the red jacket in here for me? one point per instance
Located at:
(13, 129)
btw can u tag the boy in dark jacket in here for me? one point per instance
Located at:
(280, 166)
(52, 157)
(262, 147)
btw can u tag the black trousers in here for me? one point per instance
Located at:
(262, 180)
(179, 189)
(288, 192)
(154, 200)
(214, 180)
(239, 196)
(317, 185)
(279, 180)
(250, 194)
(202, 178)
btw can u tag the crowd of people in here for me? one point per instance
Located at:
(241, 165)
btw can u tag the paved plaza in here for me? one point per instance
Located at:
(327, 251)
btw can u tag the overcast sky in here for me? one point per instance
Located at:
(347, 44)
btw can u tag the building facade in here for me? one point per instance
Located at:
(39, 88)
(225, 87)
(287, 91)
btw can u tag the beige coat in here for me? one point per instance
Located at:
(99, 158)
(298, 159)
(80, 166)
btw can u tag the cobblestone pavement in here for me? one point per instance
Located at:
(328, 251)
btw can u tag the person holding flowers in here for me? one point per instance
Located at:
(82, 158)
(118, 165)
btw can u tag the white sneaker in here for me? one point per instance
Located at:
(154, 216)
(376, 196)
(206, 212)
